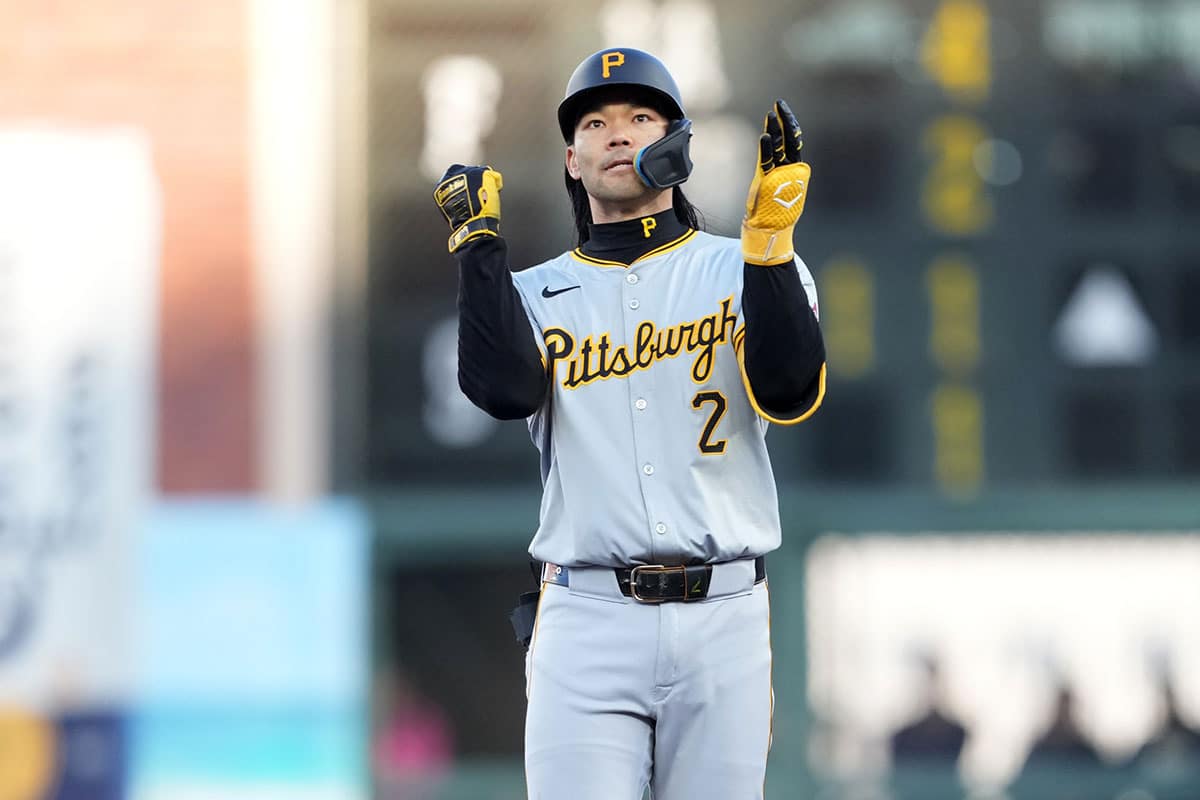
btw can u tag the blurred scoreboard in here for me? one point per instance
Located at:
(1002, 222)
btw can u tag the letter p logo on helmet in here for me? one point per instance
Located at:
(609, 60)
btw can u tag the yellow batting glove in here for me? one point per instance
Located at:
(469, 199)
(777, 193)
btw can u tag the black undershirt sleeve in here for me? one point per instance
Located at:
(499, 364)
(783, 347)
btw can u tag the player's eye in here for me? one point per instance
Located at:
(593, 123)
(641, 117)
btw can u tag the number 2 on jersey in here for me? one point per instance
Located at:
(707, 446)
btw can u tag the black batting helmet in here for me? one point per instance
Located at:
(617, 66)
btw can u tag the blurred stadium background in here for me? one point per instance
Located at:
(255, 544)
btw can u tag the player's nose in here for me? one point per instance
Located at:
(618, 136)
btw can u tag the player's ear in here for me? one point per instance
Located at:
(572, 162)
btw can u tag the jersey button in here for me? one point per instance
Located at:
(648, 469)
(634, 303)
(631, 279)
(660, 528)
(640, 404)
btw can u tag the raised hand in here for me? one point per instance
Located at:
(777, 192)
(469, 199)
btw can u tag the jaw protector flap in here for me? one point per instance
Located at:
(666, 163)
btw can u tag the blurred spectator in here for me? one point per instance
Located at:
(1063, 742)
(412, 747)
(935, 736)
(1174, 752)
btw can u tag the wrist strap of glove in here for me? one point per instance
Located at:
(474, 228)
(767, 248)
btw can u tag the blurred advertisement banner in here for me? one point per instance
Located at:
(80, 230)
(253, 651)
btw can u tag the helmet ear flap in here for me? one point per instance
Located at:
(667, 162)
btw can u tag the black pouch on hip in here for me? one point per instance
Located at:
(524, 616)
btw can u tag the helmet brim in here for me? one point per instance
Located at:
(575, 106)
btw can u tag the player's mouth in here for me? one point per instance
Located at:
(619, 163)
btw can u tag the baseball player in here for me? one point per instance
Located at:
(648, 362)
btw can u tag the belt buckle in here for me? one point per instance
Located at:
(653, 568)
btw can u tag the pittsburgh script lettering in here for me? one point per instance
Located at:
(596, 359)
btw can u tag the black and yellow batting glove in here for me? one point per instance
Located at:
(777, 192)
(469, 199)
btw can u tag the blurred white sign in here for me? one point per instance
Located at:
(1103, 324)
(1010, 621)
(80, 219)
(462, 95)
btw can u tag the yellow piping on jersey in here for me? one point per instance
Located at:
(658, 251)
(770, 679)
(537, 619)
(738, 339)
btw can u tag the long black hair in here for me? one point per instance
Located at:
(581, 208)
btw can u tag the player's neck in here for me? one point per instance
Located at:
(604, 212)
(629, 239)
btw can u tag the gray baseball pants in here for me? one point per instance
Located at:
(624, 695)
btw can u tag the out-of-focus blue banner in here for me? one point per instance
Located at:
(252, 669)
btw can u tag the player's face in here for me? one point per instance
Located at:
(606, 140)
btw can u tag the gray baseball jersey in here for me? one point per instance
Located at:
(652, 444)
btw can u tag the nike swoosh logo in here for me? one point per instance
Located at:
(547, 293)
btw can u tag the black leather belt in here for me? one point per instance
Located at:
(655, 583)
